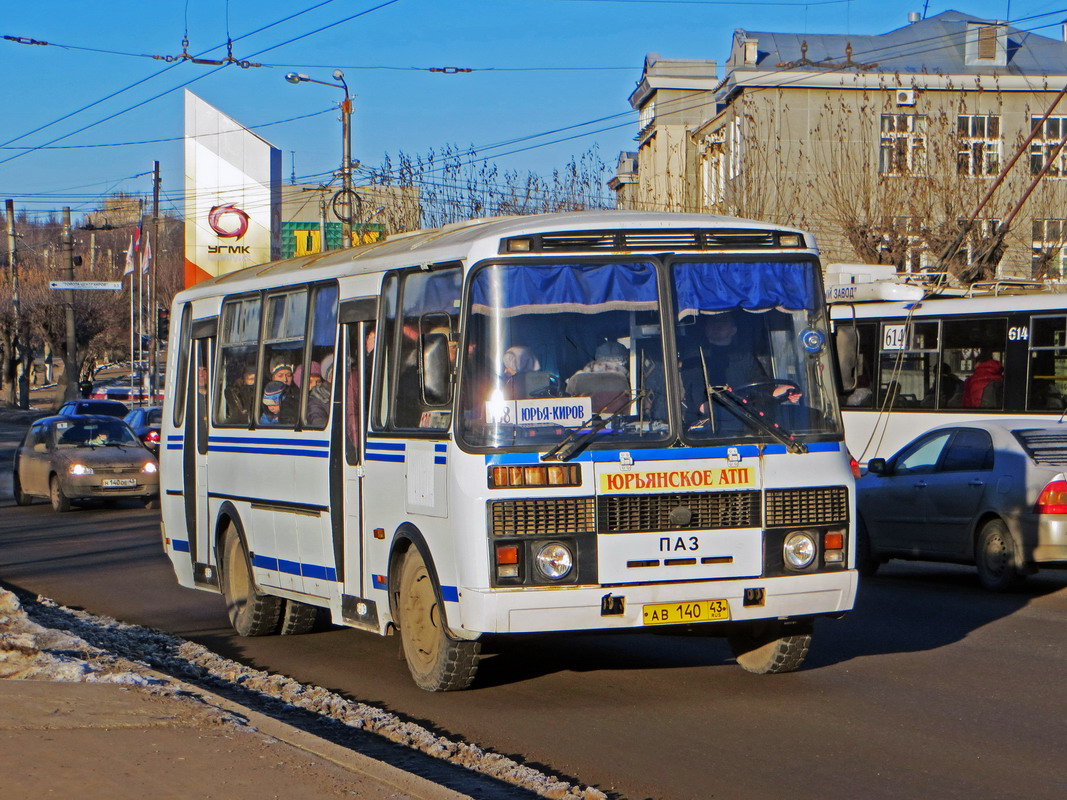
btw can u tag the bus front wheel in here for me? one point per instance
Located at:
(767, 648)
(437, 662)
(251, 613)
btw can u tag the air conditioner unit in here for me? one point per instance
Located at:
(905, 97)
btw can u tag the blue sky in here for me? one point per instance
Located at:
(538, 65)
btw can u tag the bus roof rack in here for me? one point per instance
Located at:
(1007, 286)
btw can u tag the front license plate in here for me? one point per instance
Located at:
(118, 483)
(680, 613)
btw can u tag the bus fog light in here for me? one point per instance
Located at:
(799, 549)
(554, 561)
(833, 556)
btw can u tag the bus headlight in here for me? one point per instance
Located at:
(554, 561)
(799, 549)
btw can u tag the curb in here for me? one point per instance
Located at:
(357, 763)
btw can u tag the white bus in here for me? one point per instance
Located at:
(909, 365)
(516, 425)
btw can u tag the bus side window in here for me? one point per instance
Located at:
(856, 354)
(235, 379)
(1047, 390)
(427, 328)
(316, 389)
(283, 349)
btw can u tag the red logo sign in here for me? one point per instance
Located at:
(232, 228)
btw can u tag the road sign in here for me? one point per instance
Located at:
(112, 286)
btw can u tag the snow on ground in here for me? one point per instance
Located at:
(44, 641)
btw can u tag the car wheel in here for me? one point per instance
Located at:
(60, 502)
(867, 562)
(771, 647)
(996, 559)
(251, 613)
(21, 498)
(437, 662)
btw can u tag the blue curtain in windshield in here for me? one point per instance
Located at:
(551, 288)
(754, 286)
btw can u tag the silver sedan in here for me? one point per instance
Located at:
(992, 493)
(84, 457)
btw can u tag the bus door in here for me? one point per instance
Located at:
(352, 384)
(194, 455)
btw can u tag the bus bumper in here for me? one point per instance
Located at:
(582, 608)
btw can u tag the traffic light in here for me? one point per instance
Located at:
(163, 324)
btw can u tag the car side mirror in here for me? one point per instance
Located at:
(876, 466)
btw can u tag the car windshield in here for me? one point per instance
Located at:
(553, 349)
(95, 433)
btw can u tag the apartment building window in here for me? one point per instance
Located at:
(1049, 248)
(903, 242)
(646, 116)
(736, 148)
(713, 174)
(902, 146)
(1044, 145)
(979, 144)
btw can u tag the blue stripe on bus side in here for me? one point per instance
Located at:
(263, 440)
(180, 545)
(440, 460)
(383, 457)
(294, 567)
(270, 451)
(386, 445)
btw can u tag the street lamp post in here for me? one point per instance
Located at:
(346, 151)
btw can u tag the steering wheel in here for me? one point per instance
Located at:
(769, 384)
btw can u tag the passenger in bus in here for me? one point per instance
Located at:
(861, 395)
(949, 390)
(984, 387)
(290, 399)
(522, 375)
(605, 379)
(240, 396)
(321, 383)
(270, 413)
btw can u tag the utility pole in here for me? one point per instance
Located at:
(153, 344)
(22, 398)
(71, 367)
(346, 160)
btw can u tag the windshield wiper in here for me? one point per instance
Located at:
(740, 408)
(569, 446)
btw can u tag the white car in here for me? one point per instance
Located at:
(991, 493)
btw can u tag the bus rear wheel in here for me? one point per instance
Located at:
(437, 662)
(768, 648)
(251, 613)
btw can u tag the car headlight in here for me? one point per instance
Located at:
(80, 469)
(150, 467)
(799, 549)
(554, 561)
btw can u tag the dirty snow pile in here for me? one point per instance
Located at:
(33, 645)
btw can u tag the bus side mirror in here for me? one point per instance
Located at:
(876, 466)
(436, 370)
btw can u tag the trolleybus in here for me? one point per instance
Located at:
(908, 365)
(518, 425)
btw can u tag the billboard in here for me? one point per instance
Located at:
(233, 184)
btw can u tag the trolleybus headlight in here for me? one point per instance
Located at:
(554, 561)
(799, 549)
(80, 469)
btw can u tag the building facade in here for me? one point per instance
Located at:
(883, 145)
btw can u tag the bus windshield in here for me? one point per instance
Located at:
(558, 351)
(556, 348)
(752, 351)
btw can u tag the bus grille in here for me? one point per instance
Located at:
(656, 512)
(548, 517)
(802, 507)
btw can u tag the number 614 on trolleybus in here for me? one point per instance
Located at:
(574, 422)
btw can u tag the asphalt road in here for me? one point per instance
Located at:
(930, 688)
